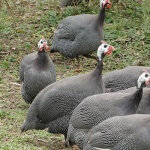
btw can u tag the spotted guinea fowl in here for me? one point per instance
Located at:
(80, 34)
(130, 132)
(122, 79)
(64, 3)
(37, 71)
(55, 103)
(96, 108)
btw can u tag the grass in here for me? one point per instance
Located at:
(127, 28)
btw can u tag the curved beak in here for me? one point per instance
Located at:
(107, 4)
(47, 48)
(110, 50)
(147, 82)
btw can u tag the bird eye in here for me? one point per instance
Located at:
(105, 46)
(146, 75)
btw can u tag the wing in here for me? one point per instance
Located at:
(137, 141)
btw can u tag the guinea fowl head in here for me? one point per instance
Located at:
(143, 80)
(42, 45)
(105, 4)
(104, 49)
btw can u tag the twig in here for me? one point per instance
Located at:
(3, 53)
(14, 83)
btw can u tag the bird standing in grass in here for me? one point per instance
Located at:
(80, 34)
(36, 72)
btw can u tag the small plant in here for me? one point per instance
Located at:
(5, 65)
(3, 114)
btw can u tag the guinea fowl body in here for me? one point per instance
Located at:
(79, 35)
(25, 62)
(130, 132)
(122, 79)
(40, 73)
(97, 108)
(65, 3)
(57, 101)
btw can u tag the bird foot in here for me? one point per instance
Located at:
(75, 147)
(78, 70)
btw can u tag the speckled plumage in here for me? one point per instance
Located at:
(96, 108)
(122, 79)
(57, 101)
(144, 106)
(64, 3)
(130, 132)
(79, 35)
(36, 72)
(25, 62)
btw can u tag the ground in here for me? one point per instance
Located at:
(24, 22)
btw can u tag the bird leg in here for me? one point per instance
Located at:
(75, 147)
(79, 65)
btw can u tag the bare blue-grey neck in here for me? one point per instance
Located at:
(138, 96)
(99, 68)
(101, 18)
(42, 60)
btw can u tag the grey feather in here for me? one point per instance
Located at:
(122, 132)
(32, 122)
(36, 75)
(64, 3)
(114, 81)
(97, 108)
(124, 78)
(55, 103)
(78, 35)
(25, 62)
(144, 106)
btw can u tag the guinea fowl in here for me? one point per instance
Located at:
(122, 79)
(130, 132)
(94, 109)
(65, 3)
(36, 72)
(80, 34)
(55, 103)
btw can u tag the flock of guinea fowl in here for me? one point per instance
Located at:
(92, 111)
